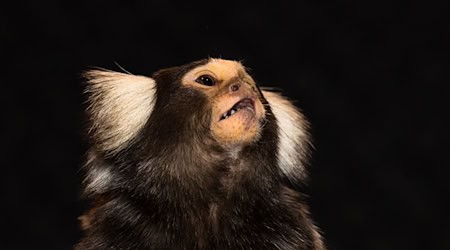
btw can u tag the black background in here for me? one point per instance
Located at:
(371, 76)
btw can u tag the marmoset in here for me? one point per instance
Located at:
(194, 157)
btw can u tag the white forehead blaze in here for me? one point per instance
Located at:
(292, 133)
(218, 68)
(119, 106)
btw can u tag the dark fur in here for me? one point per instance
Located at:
(175, 187)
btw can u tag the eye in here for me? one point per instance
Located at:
(206, 80)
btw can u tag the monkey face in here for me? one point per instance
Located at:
(236, 107)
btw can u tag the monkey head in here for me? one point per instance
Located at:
(202, 111)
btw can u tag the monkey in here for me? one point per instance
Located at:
(196, 156)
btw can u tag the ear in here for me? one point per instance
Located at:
(293, 138)
(119, 106)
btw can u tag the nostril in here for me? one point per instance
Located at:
(234, 87)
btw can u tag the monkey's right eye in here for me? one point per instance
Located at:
(206, 80)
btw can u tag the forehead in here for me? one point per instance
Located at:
(220, 68)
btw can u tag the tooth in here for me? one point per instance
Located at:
(232, 111)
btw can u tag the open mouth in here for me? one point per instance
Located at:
(246, 103)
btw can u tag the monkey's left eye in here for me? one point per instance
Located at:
(206, 80)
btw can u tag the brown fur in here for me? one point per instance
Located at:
(175, 183)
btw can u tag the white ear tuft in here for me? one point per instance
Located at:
(119, 106)
(293, 144)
